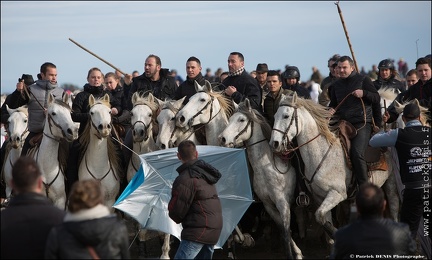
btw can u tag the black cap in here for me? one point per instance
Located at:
(28, 79)
(262, 67)
(411, 111)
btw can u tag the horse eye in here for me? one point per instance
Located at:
(53, 113)
(131, 114)
(202, 99)
(172, 118)
(242, 120)
(91, 113)
(286, 116)
(150, 114)
(25, 121)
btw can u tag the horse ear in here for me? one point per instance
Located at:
(198, 87)
(208, 86)
(178, 103)
(91, 100)
(150, 98)
(235, 105)
(106, 98)
(398, 106)
(135, 97)
(416, 102)
(50, 98)
(10, 111)
(294, 98)
(159, 102)
(247, 104)
(66, 97)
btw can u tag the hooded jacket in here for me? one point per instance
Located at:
(91, 227)
(195, 203)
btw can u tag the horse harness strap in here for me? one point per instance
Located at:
(48, 185)
(106, 174)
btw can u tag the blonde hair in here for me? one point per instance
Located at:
(85, 195)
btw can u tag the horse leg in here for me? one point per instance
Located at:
(391, 192)
(166, 247)
(296, 249)
(231, 252)
(332, 199)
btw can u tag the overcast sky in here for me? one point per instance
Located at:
(303, 34)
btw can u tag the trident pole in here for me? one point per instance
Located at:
(106, 62)
(346, 34)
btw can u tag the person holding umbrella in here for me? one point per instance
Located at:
(195, 204)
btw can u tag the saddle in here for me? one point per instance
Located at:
(36, 140)
(121, 131)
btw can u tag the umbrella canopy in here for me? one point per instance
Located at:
(147, 195)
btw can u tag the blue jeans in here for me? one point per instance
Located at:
(194, 250)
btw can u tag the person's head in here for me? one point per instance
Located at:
(186, 151)
(26, 176)
(95, 77)
(135, 73)
(335, 70)
(274, 81)
(208, 72)
(370, 201)
(411, 111)
(48, 71)
(261, 73)
(291, 75)
(345, 66)
(386, 69)
(224, 75)
(85, 194)
(111, 81)
(235, 61)
(193, 67)
(152, 67)
(411, 77)
(423, 67)
(333, 60)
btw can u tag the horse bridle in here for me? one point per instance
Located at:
(210, 102)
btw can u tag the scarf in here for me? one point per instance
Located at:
(237, 72)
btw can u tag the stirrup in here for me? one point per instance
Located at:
(302, 199)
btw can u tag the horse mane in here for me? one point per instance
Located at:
(169, 105)
(257, 118)
(387, 93)
(424, 117)
(84, 140)
(23, 109)
(63, 104)
(154, 106)
(224, 101)
(318, 112)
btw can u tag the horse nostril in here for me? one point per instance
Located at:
(109, 126)
(69, 131)
(223, 140)
(100, 127)
(182, 119)
(163, 146)
(276, 144)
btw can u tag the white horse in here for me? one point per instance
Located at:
(142, 121)
(274, 179)
(169, 134)
(17, 131)
(58, 126)
(143, 116)
(387, 96)
(207, 107)
(100, 160)
(326, 171)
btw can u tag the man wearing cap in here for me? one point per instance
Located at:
(37, 100)
(413, 147)
(239, 84)
(261, 77)
(323, 97)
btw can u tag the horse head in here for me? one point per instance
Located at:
(59, 119)
(17, 125)
(168, 132)
(240, 126)
(199, 109)
(143, 116)
(100, 116)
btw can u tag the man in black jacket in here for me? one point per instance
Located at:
(195, 204)
(239, 84)
(30, 215)
(355, 95)
(187, 88)
(372, 234)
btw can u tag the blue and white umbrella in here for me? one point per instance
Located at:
(148, 193)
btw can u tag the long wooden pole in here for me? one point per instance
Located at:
(346, 34)
(109, 64)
